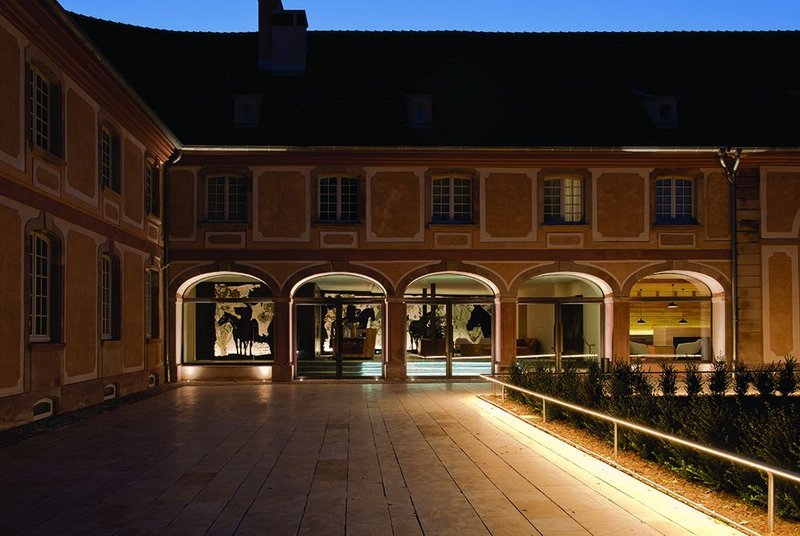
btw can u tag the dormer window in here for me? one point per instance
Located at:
(662, 109)
(246, 110)
(420, 111)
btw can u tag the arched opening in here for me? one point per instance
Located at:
(450, 318)
(225, 317)
(677, 316)
(560, 320)
(337, 320)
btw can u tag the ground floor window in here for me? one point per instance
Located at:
(227, 319)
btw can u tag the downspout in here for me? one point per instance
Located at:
(171, 161)
(729, 159)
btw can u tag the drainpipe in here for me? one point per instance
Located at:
(174, 159)
(729, 159)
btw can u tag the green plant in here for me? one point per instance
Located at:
(641, 385)
(620, 383)
(787, 376)
(720, 380)
(741, 380)
(764, 380)
(692, 380)
(668, 382)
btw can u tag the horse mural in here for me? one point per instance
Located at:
(244, 329)
(427, 326)
(480, 318)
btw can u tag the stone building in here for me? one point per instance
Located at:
(289, 204)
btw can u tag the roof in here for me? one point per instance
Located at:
(487, 89)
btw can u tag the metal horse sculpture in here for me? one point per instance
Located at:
(245, 329)
(480, 317)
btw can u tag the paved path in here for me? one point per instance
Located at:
(320, 459)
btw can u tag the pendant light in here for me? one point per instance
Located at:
(682, 320)
(672, 304)
(641, 318)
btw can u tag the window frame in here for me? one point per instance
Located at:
(43, 116)
(452, 200)
(109, 158)
(227, 202)
(338, 204)
(674, 218)
(565, 200)
(152, 188)
(106, 297)
(40, 295)
(151, 298)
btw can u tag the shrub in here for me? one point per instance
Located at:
(787, 378)
(641, 385)
(668, 382)
(720, 380)
(741, 380)
(621, 382)
(692, 380)
(764, 380)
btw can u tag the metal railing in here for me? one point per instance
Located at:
(771, 471)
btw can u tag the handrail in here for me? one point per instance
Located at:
(771, 471)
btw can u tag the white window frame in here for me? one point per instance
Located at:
(449, 202)
(227, 202)
(40, 288)
(41, 106)
(336, 194)
(569, 206)
(676, 200)
(106, 297)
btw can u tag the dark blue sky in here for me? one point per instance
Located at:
(481, 15)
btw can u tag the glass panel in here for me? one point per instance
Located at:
(237, 199)
(327, 199)
(362, 355)
(441, 200)
(683, 200)
(40, 111)
(315, 332)
(349, 209)
(535, 334)
(472, 339)
(462, 200)
(552, 201)
(216, 199)
(425, 344)
(581, 334)
(232, 323)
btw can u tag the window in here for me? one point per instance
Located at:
(106, 296)
(40, 291)
(227, 199)
(109, 160)
(152, 201)
(452, 200)
(151, 304)
(45, 113)
(420, 111)
(674, 200)
(563, 200)
(338, 199)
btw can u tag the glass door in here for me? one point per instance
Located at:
(559, 335)
(339, 339)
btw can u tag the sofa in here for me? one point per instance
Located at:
(528, 346)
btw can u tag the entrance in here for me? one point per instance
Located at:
(338, 328)
(559, 322)
(449, 327)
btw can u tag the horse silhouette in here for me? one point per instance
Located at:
(364, 317)
(480, 318)
(421, 328)
(244, 329)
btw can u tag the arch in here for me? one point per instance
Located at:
(417, 275)
(585, 273)
(715, 335)
(185, 280)
(216, 327)
(716, 281)
(307, 275)
(297, 285)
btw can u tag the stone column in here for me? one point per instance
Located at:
(620, 342)
(281, 332)
(507, 339)
(395, 326)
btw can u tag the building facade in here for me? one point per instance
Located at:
(367, 205)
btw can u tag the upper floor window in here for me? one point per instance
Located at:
(152, 204)
(227, 199)
(338, 199)
(44, 109)
(563, 200)
(109, 159)
(674, 200)
(151, 304)
(40, 287)
(452, 200)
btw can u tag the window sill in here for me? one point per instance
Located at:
(44, 154)
(154, 218)
(46, 345)
(689, 226)
(224, 225)
(565, 225)
(337, 224)
(110, 193)
(445, 225)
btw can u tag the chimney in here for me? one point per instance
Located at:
(282, 39)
